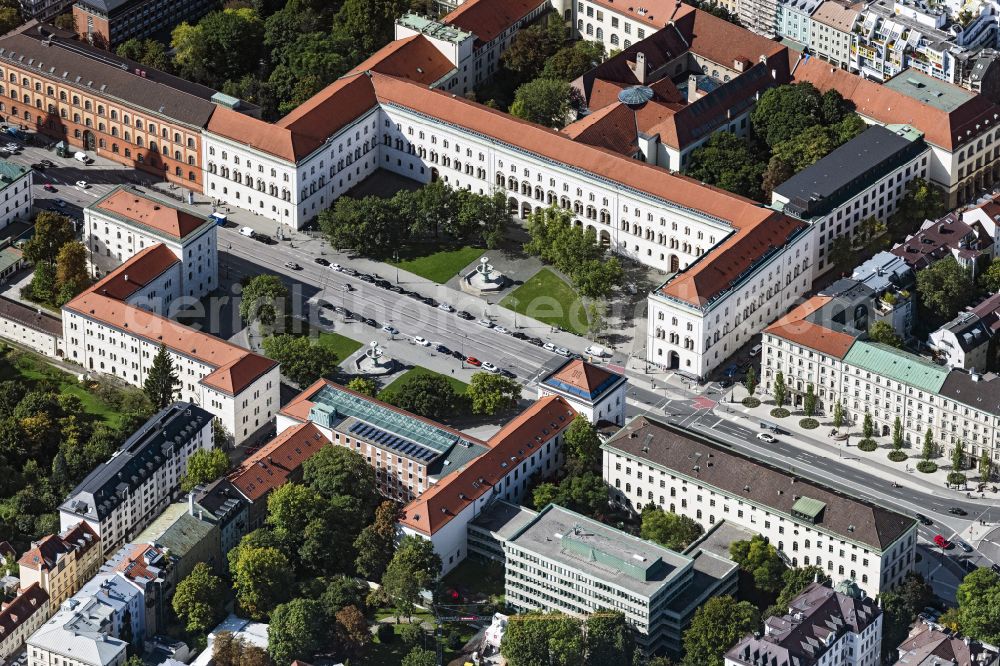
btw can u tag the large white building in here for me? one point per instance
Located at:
(595, 393)
(123, 495)
(128, 220)
(71, 638)
(15, 190)
(823, 627)
(651, 462)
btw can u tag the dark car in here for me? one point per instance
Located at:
(321, 261)
(348, 314)
(47, 163)
(442, 349)
(725, 383)
(575, 356)
(364, 277)
(462, 314)
(955, 511)
(382, 284)
(535, 341)
(265, 239)
(337, 308)
(395, 288)
(348, 271)
(429, 301)
(519, 335)
(924, 520)
(38, 166)
(370, 322)
(412, 294)
(459, 355)
(508, 374)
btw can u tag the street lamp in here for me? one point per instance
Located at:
(513, 302)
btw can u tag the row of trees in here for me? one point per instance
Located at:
(378, 227)
(549, 638)
(793, 125)
(574, 251)
(59, 260)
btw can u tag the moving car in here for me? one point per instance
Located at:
(321, 261)
(489, 367)
(264, 238)
(246, 231)
(924, 520)
(82, 184)
(47, 163)
(508, 374)
(486, 323)
(60, 203)
(766, 437)
(955, 511)
(964, 546)
(390, 329)
(941, 542)
(473, 361)
(422, 341)
(38, 166)
(49, 187)
(293, 266)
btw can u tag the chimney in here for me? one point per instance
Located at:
(126, 277)
(640, 67)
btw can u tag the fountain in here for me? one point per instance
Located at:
(483, 279)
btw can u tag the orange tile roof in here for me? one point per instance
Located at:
(486, 19)
(509, 447)
(657, 12)
(838, 15)
(45, 553)
(414, 58)
(274, 462)
(138, 271)
(612, 127)
(28, 602)
(152, 213)
(582, 375)
(717, 270)
(253, 132)
(796, 328)
(885, 105)
(234, 368)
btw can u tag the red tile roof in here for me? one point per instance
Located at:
(326, 112)
(582, 375)
(253, 132)
(234, 368)
(133, 566)
(414, 58)
(487, 19)
(612, 127)
(657, 13)
(14, 614)
(274, 462)
(155, 214)
(516, 441)
(795, 328)
(885, 105)
(45, 553)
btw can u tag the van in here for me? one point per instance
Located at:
(82, 156)
(755, 349)
(246, 231)
(596, 350)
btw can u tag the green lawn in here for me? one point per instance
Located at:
(459, 386)
(33, 369)
(438, 266)
(340, 344)
(548, 298)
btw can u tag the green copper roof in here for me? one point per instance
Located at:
(808, 508)
(896, 365)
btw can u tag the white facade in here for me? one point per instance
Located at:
(15, 193)
(694, 340)
(794, 19)
(36, 330)
(617, 30)
(72, 639)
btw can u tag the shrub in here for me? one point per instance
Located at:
(897, 456)
(780, 413)
(808, 423)
(926, 466)
(751, 402)
(867, 445)
(956, 479)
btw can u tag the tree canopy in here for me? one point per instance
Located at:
(297, 631)
(491, 394)
(426, 395)
(199, 599)
(978, 598)
(204, 466)
(262, 298)
(761, 560)
(161, 380)
(544, 101)
(716, 626)
(302, 360)
(882, 331)
(574, 251)
(945, 287)
(534, 639)
(262, 578)
(670, 530)
(730, 162)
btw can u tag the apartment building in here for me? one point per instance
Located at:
(71, 638)
(149, 569)
(594, 392)
(96, 101)
(222, 505)
(185, 539)
(108, 23)
(61, 563)
(123, 495)
(965, 341)
(619, 25)
(129, 219)
(564, 562)
(20, 617)
(680, 471)
(864, 178)
(118, 325)
(929, 643)
(822, 627)
(960, 126)
(15, 188)
(888, 383)
(831, 30)
(112, 601)
(970, 243)
(794, 19)
(31, 327)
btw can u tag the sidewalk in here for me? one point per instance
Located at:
(819, 441)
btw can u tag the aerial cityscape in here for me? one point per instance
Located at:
(525, 332)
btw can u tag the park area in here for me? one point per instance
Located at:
(341, 345)
(549, 299)
(437, 265)
(458, 386)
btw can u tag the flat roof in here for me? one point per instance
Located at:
(601, 551)
(928, 90)
(504, 519)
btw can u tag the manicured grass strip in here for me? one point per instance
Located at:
(548, 298)
(459, 386)
(341, 345)
(438, 266)
(33, 369)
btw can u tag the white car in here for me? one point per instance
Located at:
(500, 329)
(485, 323)
(422, 341)
(82, 184)
(336, 267)
(445, 307)
(548, 346)
(562, 351)
(766, 437)
(489, 367)
(390, 330)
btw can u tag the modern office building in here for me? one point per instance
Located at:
(564, 562)
(822, 626)
(61, 563)
(680, 471)
(123, 495)
(108, 23)
(864, 178)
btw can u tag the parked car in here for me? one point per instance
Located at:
(265, 239)
(766, 437)
(38, 166)
(486, 323)
(536, 341)
(956, 511)
(348, 271)
(519, 335)
(336, 267)
(440, 348)
(422, 341)
(445, 307)
(364, 277)
(427, 300)
(60, 203)
(473, 361)
(459, 355)
(596, 351)
(562, 351)
(924, 520)
(368, 321)
(47, 163)
(382, 283)
(507, 373)
(941, 542)
(390, 329)
(548, 346)
(501, 329)
(321, 261)
(489, 367)
(462, 314)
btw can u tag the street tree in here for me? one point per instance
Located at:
(414, 567)
(262, 578)
(610, 639)
(868, 427)
(372, 226)
(750, 381)
(897, 434)
(51, 232)
(671, 530)
(985, 466)
(838, 415)
(535, 639)
(543, 101)
(161, 380)
(809, 402)
(581, 445)
(204, 466)
(377, 542)
(779, 389)
(199, 600)
(364, 385)
(928, 451)
(262, 296)
(716, 626)
(431, 396)
(882, 331)
(302, 360)
(978, 598)
(761, 560)
(958, 456)
(71, 271)
(491, 394)
(945, 287)
(297, 631)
